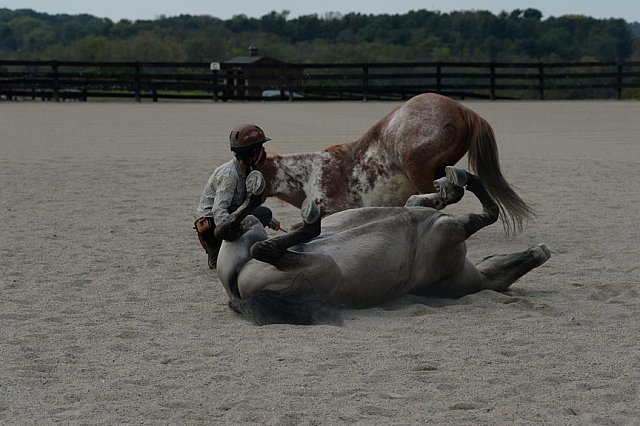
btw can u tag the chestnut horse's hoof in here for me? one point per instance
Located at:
(255, 183)
(309, 211)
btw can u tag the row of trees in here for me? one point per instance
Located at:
(521, 35)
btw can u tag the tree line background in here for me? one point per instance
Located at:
(423, 36)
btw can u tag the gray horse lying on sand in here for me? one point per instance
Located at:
(362, 257)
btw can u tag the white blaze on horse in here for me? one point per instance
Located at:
(362, 257)
(399, 156)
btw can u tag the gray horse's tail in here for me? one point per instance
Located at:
(484, 161)
(272, 307)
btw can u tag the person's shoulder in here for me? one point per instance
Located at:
(229, 168)
(225, 166)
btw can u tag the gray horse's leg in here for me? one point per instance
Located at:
(453, 230)
(502, 270)
(447, 193)
(495, 272)
(433, 200)
(473, 222)
(275, 250)
(231, 228)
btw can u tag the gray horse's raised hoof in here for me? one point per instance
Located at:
(255, 183)
(309, 211)
(456, 175)
(449, 192)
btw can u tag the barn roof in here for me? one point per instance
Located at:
(240, 60)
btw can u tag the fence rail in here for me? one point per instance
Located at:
(72, 80)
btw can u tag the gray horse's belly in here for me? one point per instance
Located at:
(361, 258)
(382, 258)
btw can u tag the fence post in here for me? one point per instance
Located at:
(214, 67)
(438, 77)
(365, 81)
(290, 86)
(56, 82)
(136, 82)
(541, 80)
(619, 79)
(492, 81)
(214, 76)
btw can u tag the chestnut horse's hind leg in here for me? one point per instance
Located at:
(502, 270)
(275, 250)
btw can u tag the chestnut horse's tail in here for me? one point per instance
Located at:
(483, 159)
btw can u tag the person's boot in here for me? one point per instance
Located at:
(212, 260)
(212, 255)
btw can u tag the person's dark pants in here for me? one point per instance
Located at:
(212, 245)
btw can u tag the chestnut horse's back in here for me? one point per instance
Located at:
(431, 131)
(401, 154)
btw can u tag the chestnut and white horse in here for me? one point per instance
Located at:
(400, 155)
(361, 257)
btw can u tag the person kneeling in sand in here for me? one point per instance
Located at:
(225, 190)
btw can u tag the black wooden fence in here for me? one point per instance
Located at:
(71, 80)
